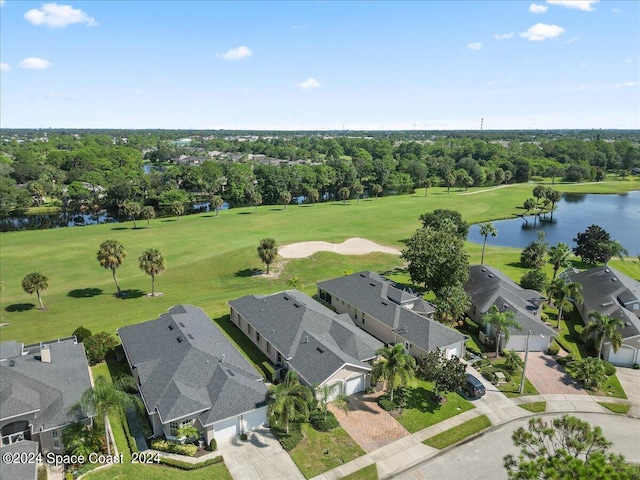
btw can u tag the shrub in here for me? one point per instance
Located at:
(565, 360)
(553, 349)
(243, 437)
(190, 466)
(323, 421)
(269, 371)
(173, 447)
(97, 346)
(213, 445)
(609, 369)
(534, 280)
(536, 178)
(81, 334)
(290, 440)
(544, 317)
(636, 366)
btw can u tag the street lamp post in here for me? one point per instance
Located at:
(524, 367)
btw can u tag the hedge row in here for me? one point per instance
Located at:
(190, 466)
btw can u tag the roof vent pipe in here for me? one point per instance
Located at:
(222, 358)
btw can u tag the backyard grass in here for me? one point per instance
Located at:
(456, 434)
(128, 471)
(422, 410)
(366, 473)
(535, 407)
(622, 408)
(211, 260)
(319, 452)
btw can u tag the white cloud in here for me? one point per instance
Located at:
(34, 63)
(5, 67)
(584, 5)
(629, 60)
(58, 16)
(541, 31)
(503, 36)
(626, 84)
(474, 46)
(236, 53)
(309, 83)
(535, 8)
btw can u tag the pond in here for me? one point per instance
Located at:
(617, 214)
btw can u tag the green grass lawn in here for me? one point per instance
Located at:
(535, 407)
(366, 473)
(611, 388)
(616, 407)
(422, 411)
(456, 434)
(210, 260)
(129, 471)
(319, 452)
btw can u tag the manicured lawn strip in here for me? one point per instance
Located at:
(422, 411)
(535, 407)
(319, 452)
(210, 260)
(611, 388)
(128, 471)
(510, 390)
(616, 407)
(366, 473)
(240, 340)
(462, 431)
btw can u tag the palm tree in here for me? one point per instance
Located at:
(152, 263)
(487, 229)
(376, 189)
(148, 213)
(394, 366)
(106, 398)
(35, 282)
(256, 199)
(358, 190)
(285, 198)
(501, 321)
(427, 183)
(344, 194)
(177, 208)
(111, 254)
(132, 209)
(313, 195)
(288, 398)
(562, 293)
(216, 202)
(603, 327)
(559, 257)
(267, 251)
(590, 372)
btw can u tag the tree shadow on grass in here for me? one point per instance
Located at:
(516, 264)
(85, 292)
(120, 228)
(20, 307)
(245, 213)
(420, 399)
(247, 272)
(129, 294)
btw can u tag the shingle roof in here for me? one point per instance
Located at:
(397, 308)
(19, 470)
(605, 290)
(297, 326)
(9, 349)
(186, 366)
(28, 384)
(488, 286)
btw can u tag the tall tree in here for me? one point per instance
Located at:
(604, 327)
(562, 293)
(594, 246)
(148, 213)
(559, 257)
(313, 195)
(534, 255)
(394, 366)
(285, 198)
(486, 229)
(344, 194)
(288, 399)
(256, 199)
(152, 263)
(529, 204)
(447, 374)
(111, 254)
(451, 303)
(36, 283)
(564, 448)
(132, 210)
(177, 208)
(438, 217)
(358, 189)
(427, 183)
(267, 251)
(376, 189)
(501, 321)
(215, 203)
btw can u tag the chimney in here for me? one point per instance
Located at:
(45, 354)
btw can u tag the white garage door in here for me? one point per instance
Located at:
(453, 351)
(354, 385)
(624, 356)
(255, 419)
(334, 391)
(226, 429)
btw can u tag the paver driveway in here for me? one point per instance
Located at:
(368, 424)
(548, 376)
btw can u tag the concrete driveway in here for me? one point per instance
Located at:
(261, 457)
(630, 381)
(548, 376)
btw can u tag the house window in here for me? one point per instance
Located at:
(249, 329)
(175, 426)
(279, 358)
(257, 337)
(407, 346)
(356, 315)
(268, 347)
(56, 444)
(363, 319)
(54, 433)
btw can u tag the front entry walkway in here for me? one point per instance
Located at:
(368, 424)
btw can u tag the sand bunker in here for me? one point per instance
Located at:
(352, 246)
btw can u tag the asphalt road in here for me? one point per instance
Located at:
(482, 457)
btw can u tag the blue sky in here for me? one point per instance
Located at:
(320, 65)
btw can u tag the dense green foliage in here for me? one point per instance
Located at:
(446, 374)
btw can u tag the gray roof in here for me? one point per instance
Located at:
(19, 470)
(607, 290)
(315, 340)
(399, 309)
(186, 366)
(49, 389)
(10, 349)
(488, 286)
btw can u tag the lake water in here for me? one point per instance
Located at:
(617, 214)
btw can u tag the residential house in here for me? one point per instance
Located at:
(612, 293)
(189, 374)
(21, 470)
(38, 386)
(488, 286)
(296, 332)
(390, 313)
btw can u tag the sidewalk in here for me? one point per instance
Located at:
(409, 452)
